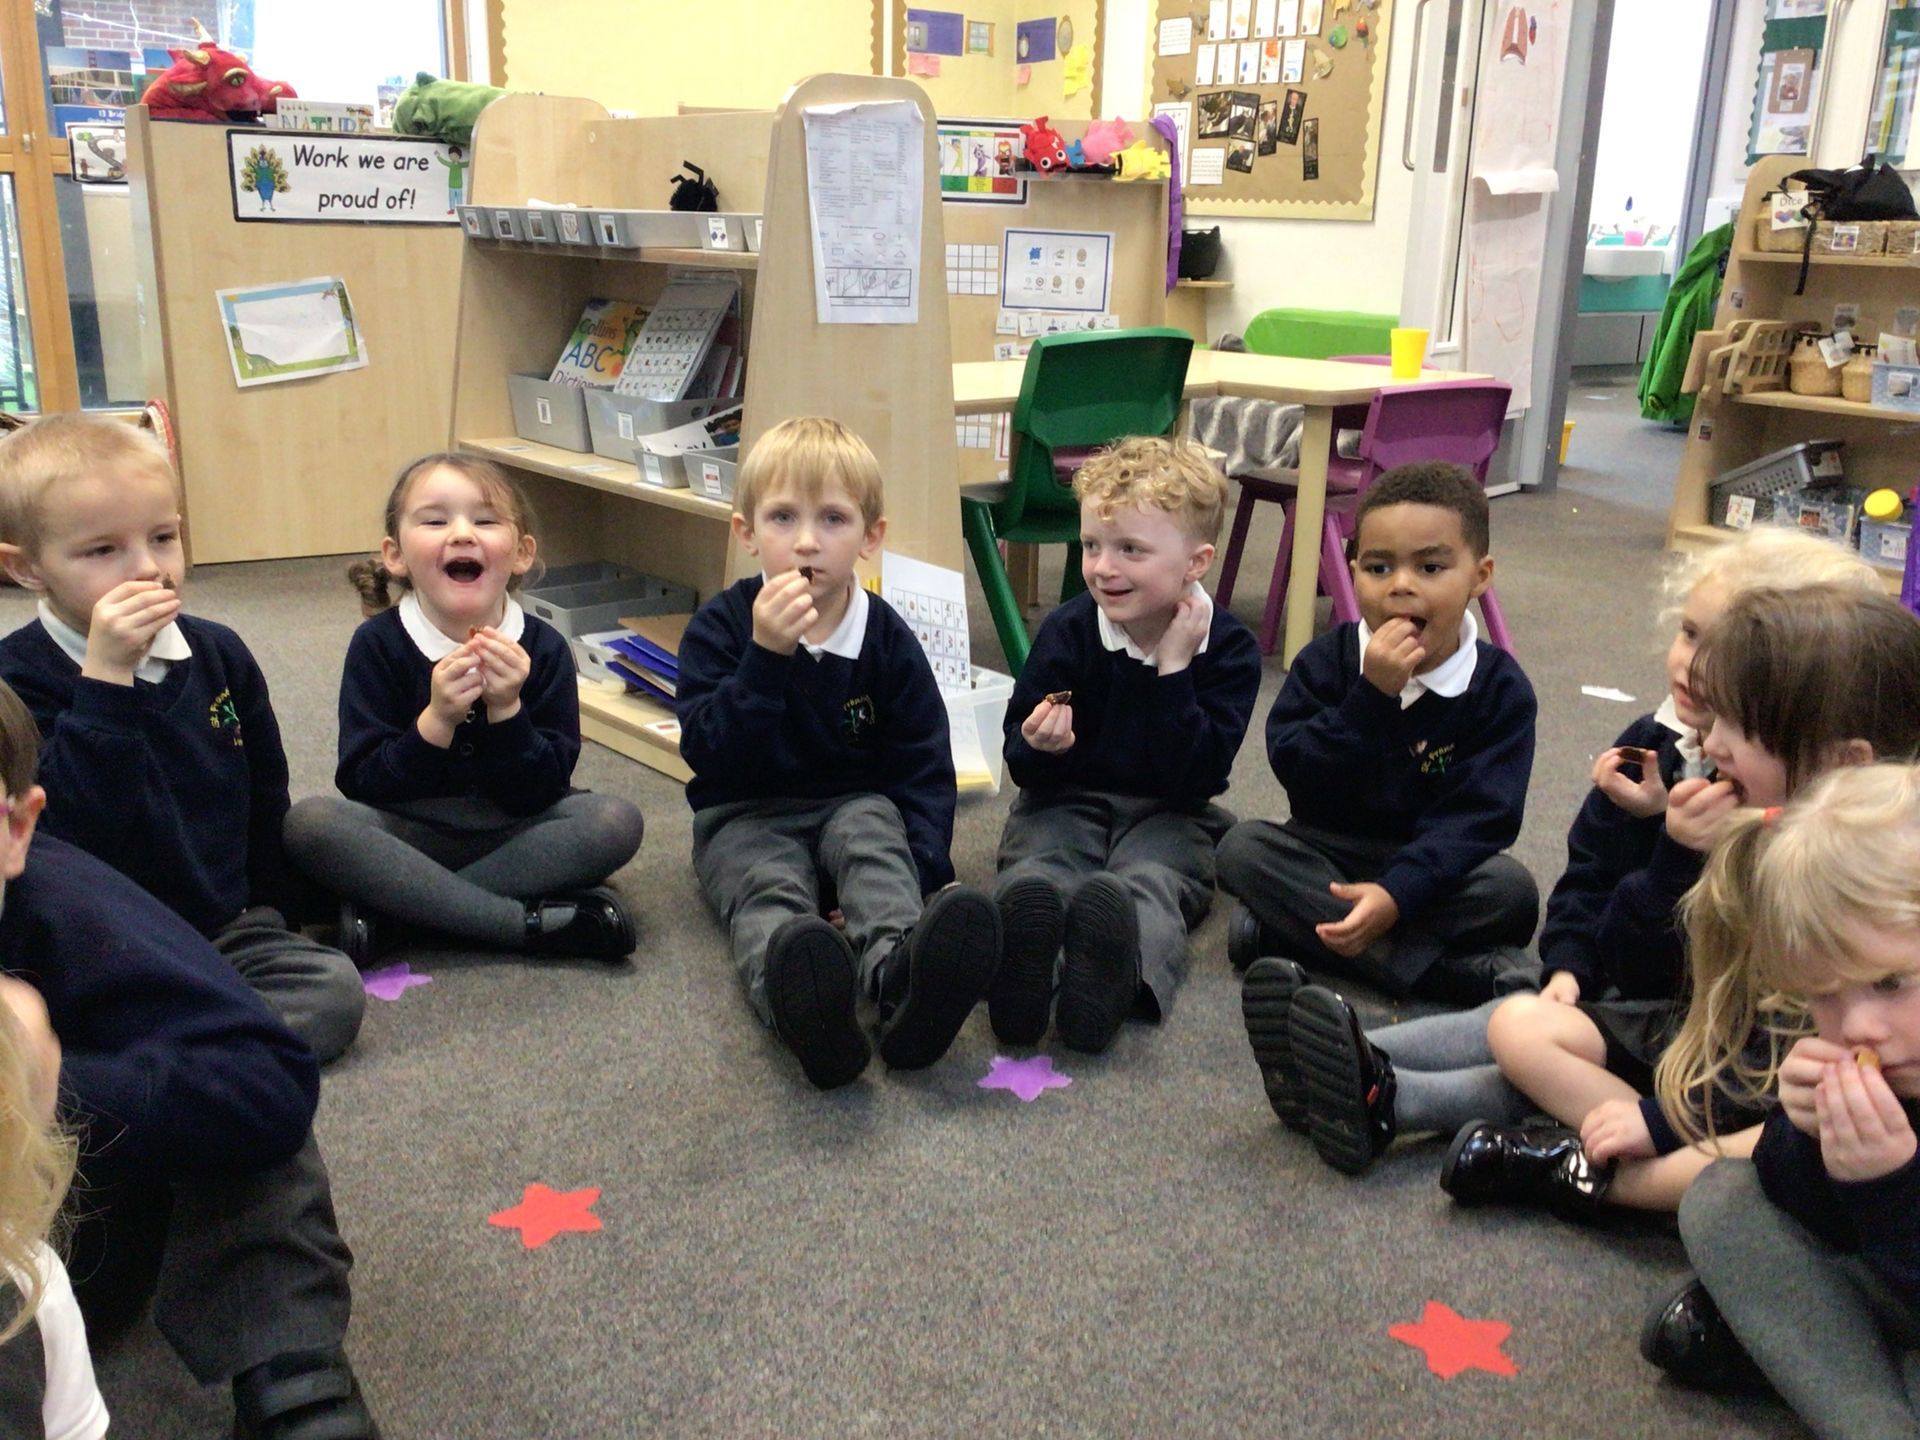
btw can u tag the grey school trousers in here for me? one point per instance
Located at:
(760, 863)
(1834, 1341)
(1281, 873)
(314, 990)
(1162, 853)
(247, 1266)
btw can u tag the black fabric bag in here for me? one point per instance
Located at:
(1867, 191)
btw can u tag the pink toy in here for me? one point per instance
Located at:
(1106, 138)
(1043, 147)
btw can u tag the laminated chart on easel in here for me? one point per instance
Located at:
(865, 170)
(933, 602)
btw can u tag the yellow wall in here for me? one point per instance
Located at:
(651, 59)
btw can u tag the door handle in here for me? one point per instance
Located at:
(26, 141)
(1413, 85)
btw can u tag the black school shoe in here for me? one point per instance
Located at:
(593, 924)
(811, 988)
(303, 1395)
(356, 936)
(1542, 1166)
(1033, 922)
(1266, 1002)
(1349, 1081)
(1101, 974)
(1246, 940)
(950, 956)
(1690, 1339)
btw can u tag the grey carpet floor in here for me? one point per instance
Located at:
(1144, 1253)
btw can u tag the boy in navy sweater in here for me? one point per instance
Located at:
(819, 746)
(1405, 745)
(161, 751)
(193, 1107)
(1121, 730)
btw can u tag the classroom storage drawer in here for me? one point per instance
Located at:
(630, 229)
(576, 610)
(615, 422)
(549, 413)
(711, 472)
(1884, 542)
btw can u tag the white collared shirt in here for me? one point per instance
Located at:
(169, 646)
(436, 644)
(1693, 760)
(1450, 677)
(1115, 637)
(850, 634)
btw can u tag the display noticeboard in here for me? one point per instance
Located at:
(396, 180)
(1280, 102)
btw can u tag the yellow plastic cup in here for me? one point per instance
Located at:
(1409, 349)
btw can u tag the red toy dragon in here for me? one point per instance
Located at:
(208, 83)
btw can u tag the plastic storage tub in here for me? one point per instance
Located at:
(581, 609)
(548, 413)
(986, 702)
(1745, 497)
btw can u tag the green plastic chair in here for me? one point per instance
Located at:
(1078, 394)
(1318, 334)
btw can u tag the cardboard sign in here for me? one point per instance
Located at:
(392, 180)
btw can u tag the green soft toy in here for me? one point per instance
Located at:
(444, 109)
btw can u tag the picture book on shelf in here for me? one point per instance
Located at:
(673, 344)
(597, 350)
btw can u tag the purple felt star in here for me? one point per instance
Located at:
(393, 981)
(1025, 1078)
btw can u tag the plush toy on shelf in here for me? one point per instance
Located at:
(1106, 139)
(1045, 151)
(1141, 161)
(208, 83)
(444, 109)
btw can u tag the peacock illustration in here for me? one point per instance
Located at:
(264, 173)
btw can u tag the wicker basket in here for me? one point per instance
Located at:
(1808, 372)
(1903, 237)
(1852, 237)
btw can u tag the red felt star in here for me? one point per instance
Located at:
(544, 1213)
(1453, 1344)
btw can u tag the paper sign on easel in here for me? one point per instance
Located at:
(866, 168)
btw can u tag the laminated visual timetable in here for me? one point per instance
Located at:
(673, 343)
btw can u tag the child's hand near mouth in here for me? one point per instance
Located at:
(1394, 653)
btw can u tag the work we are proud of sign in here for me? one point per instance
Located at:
(393, 180)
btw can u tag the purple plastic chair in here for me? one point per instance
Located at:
(1453, 420)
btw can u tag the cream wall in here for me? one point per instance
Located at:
(1322, 264)
(984, 86)
(743, 54)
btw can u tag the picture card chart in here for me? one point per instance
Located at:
(1261, 77)
(933, 602)
(865, 168)
(678, 331)
(1057, 270)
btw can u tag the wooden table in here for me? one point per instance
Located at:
(988, 387)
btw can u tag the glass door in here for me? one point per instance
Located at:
(1893, 125)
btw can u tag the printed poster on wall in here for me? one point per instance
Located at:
(866, 164)
(391, 180)
(1056, 270)
(291, 331)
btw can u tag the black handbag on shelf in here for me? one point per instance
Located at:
(1870, 190)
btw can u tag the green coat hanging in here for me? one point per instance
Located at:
(1691, 301)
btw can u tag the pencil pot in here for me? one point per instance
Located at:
(548, 413)
(1199, 253)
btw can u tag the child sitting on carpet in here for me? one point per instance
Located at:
(159, 745)
(820, 753)
(459, 730)
(1808, 1253)
(1121, 730)
(46, 1374)
(1612, 944)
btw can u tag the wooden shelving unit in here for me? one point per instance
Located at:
(1728, 431)
(893, 384)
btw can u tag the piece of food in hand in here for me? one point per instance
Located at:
(1634, 754)
(1866, 1057)
(472, 630)
(806, 573)
(1059, 697)
(166, 581)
